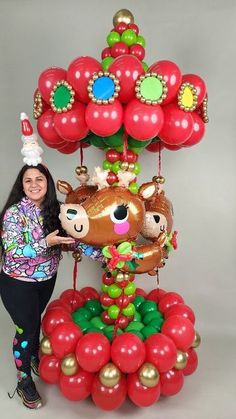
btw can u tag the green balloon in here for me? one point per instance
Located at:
(136, 150)
(137, 144)
(147, 306)
(130, 289)
(148, 331)
(106, 62)
(129, 37)
(94, 306)
(97, 322)
(83, 324)
(156, 323)
(114, 291)
(119, 148)
(115, 140)
(129, 310)
(113, 311)
(138, 301)
(106, 165)
(145, 66)
(141, 41)
(152, 315)
(137, 326)
(137, 317)
(137, 333)
(112, 38)
(92, 329)
(82, 313)
(137, 168)
(133, 188)
(116, 167)
(97, 141)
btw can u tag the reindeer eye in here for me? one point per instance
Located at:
(156, 218)
(70, 214)
(119, 214)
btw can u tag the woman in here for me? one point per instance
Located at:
(31, 236)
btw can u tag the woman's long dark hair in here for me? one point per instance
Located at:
(50, 205)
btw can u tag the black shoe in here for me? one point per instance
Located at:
(27, 391)
(34, 364)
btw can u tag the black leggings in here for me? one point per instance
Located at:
(25, 302)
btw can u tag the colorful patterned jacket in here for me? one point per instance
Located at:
(26, 255)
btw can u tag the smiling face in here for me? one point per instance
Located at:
(34, 185)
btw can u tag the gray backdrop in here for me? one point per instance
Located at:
(200, 37)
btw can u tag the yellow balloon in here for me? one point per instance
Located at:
(45, 346)
(148, 375)
(69, 365)
(181, 360)
(123, 15)
(109, 375)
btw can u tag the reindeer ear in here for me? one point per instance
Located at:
(64, 187)
(147, 190)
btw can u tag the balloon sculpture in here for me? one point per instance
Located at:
(122, 342)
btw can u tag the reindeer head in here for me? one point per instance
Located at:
(158, 216)
(111, 215)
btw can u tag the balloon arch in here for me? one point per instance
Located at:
(121, 342)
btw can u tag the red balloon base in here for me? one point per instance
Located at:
(141, 359)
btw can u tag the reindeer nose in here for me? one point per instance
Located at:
(71, 213)
(156, 218)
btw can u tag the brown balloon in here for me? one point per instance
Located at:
(77, 195)
(110, 216)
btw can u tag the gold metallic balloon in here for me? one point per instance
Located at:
(181, 360)
(123, 15)
(124, 165)
(109, 375)
(119, 277)
(148, 375)
(69, 365)
(197, 340)
(158, 179)
(45, 346)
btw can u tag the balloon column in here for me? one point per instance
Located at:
(122, 342)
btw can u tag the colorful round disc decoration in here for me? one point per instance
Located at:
(62, 97)
(187, 97)
(151, 89)
(103, 88)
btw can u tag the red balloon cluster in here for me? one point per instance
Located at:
(68, 113)
(127, 355)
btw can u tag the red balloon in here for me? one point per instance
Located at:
(89, 293)
(192, 362)
(129, 156)
(111, 178)
(180, 330)
(104, 120)
(58, 303)
(119, 48)
(106, 52)
(71, 125)
(172, 147)
(180, 310)
(122, 321)
(46, 130)
(141, 395)
(140, 291)
(171, 74)
(78, 386)
(161, 351)
(171, 382)
(93, 351)
(168, 300)
(134, 28)
(128, 352)
(106, 318)
(69, 147)
(177, 127)
(121, 27)
(64, 339)
(49, 369)
(109, 398)
(106, 300)
(54, 317)
(47, 80)
(156, 295)
(80, 71)
(199, 85)
(112, 155)
(138, 51)
(143, 122)
(127, 69)
(73, 297)
(198, 131)
(155, 147)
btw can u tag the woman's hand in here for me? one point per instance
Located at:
(54, 240)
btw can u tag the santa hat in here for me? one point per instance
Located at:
(26, 129)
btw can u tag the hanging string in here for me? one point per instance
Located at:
(75, 270)
(125, 143)
(158, 280)
(159, 160)
(81, 155)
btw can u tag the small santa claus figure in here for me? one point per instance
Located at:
(30, 150)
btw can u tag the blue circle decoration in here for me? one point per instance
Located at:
(103, 88)
(16, 354)
(24, 344)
